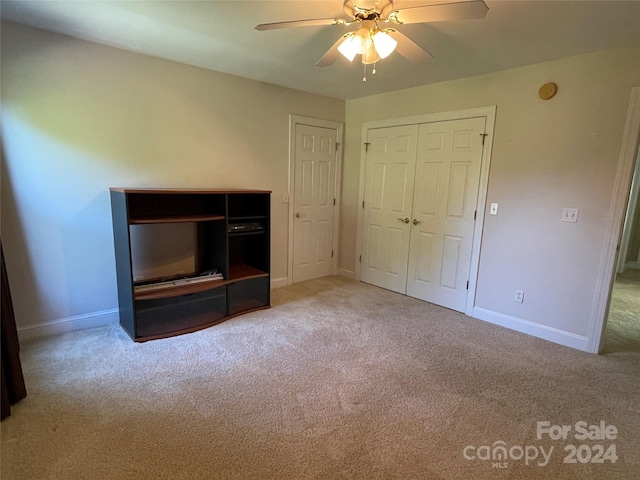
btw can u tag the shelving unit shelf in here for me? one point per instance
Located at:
(232, 237)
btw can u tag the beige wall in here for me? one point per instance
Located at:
(78, 118)
(546, 155)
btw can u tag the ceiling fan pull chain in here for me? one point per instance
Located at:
(374, 68)
(364, 76)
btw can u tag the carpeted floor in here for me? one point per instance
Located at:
(339, 380)
(622, 333)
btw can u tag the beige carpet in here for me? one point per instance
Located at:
(339, 380)
(622, 333)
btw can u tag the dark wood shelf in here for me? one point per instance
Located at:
(236, 218)
(178, 290)
(245, 272)
(248, 232)
(175, 219)
(236, 273)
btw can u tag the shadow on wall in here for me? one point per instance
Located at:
(20, 266)
(89, 262)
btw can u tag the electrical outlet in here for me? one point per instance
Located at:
(519, 297)
(570, 215)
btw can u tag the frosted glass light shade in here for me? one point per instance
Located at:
(348, 48)
(363, 37)
(370, 56)
(384, 43)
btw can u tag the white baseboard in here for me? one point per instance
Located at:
(568, 339)
(343, 272)
(635, 265)
(70, 324)
(90, 320)
(279, 282)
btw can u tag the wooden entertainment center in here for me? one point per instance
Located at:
(231, 259)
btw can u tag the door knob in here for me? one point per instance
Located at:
(416, 221)
(300, 215)
(404, 220)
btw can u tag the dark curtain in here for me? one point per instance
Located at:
(13, 388)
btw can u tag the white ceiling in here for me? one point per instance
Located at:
(220, 35)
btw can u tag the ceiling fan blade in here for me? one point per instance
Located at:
(472, 9)
(347, 6)
(330, 55)
(301, 23)
(408, 48)
(385, 7)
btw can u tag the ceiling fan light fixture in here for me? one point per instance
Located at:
(373, 43)
(385, 44)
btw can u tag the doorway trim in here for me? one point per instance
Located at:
(487, 112)
(295, 120)
(617, 211)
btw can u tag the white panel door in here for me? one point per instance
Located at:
(315, 177)
(446, 189)
(389, 178)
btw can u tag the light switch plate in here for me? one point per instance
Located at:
(570, 215)
(494, 209)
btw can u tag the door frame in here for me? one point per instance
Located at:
(290, 195)
(489, 113)
(617, 211)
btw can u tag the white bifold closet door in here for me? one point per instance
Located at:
(421, 189)
(388, 195)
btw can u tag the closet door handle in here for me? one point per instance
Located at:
(404, 220)
(416, 221)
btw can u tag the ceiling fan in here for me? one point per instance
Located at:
(372, 40)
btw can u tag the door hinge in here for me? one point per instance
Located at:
(331, 253)
(467, 284)
(483, 135)
(475, 213)
(334, 202)
(360, 259)
(366, 146)
(362, 203)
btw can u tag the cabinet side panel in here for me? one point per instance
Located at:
(123, 261)
(267, 250)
